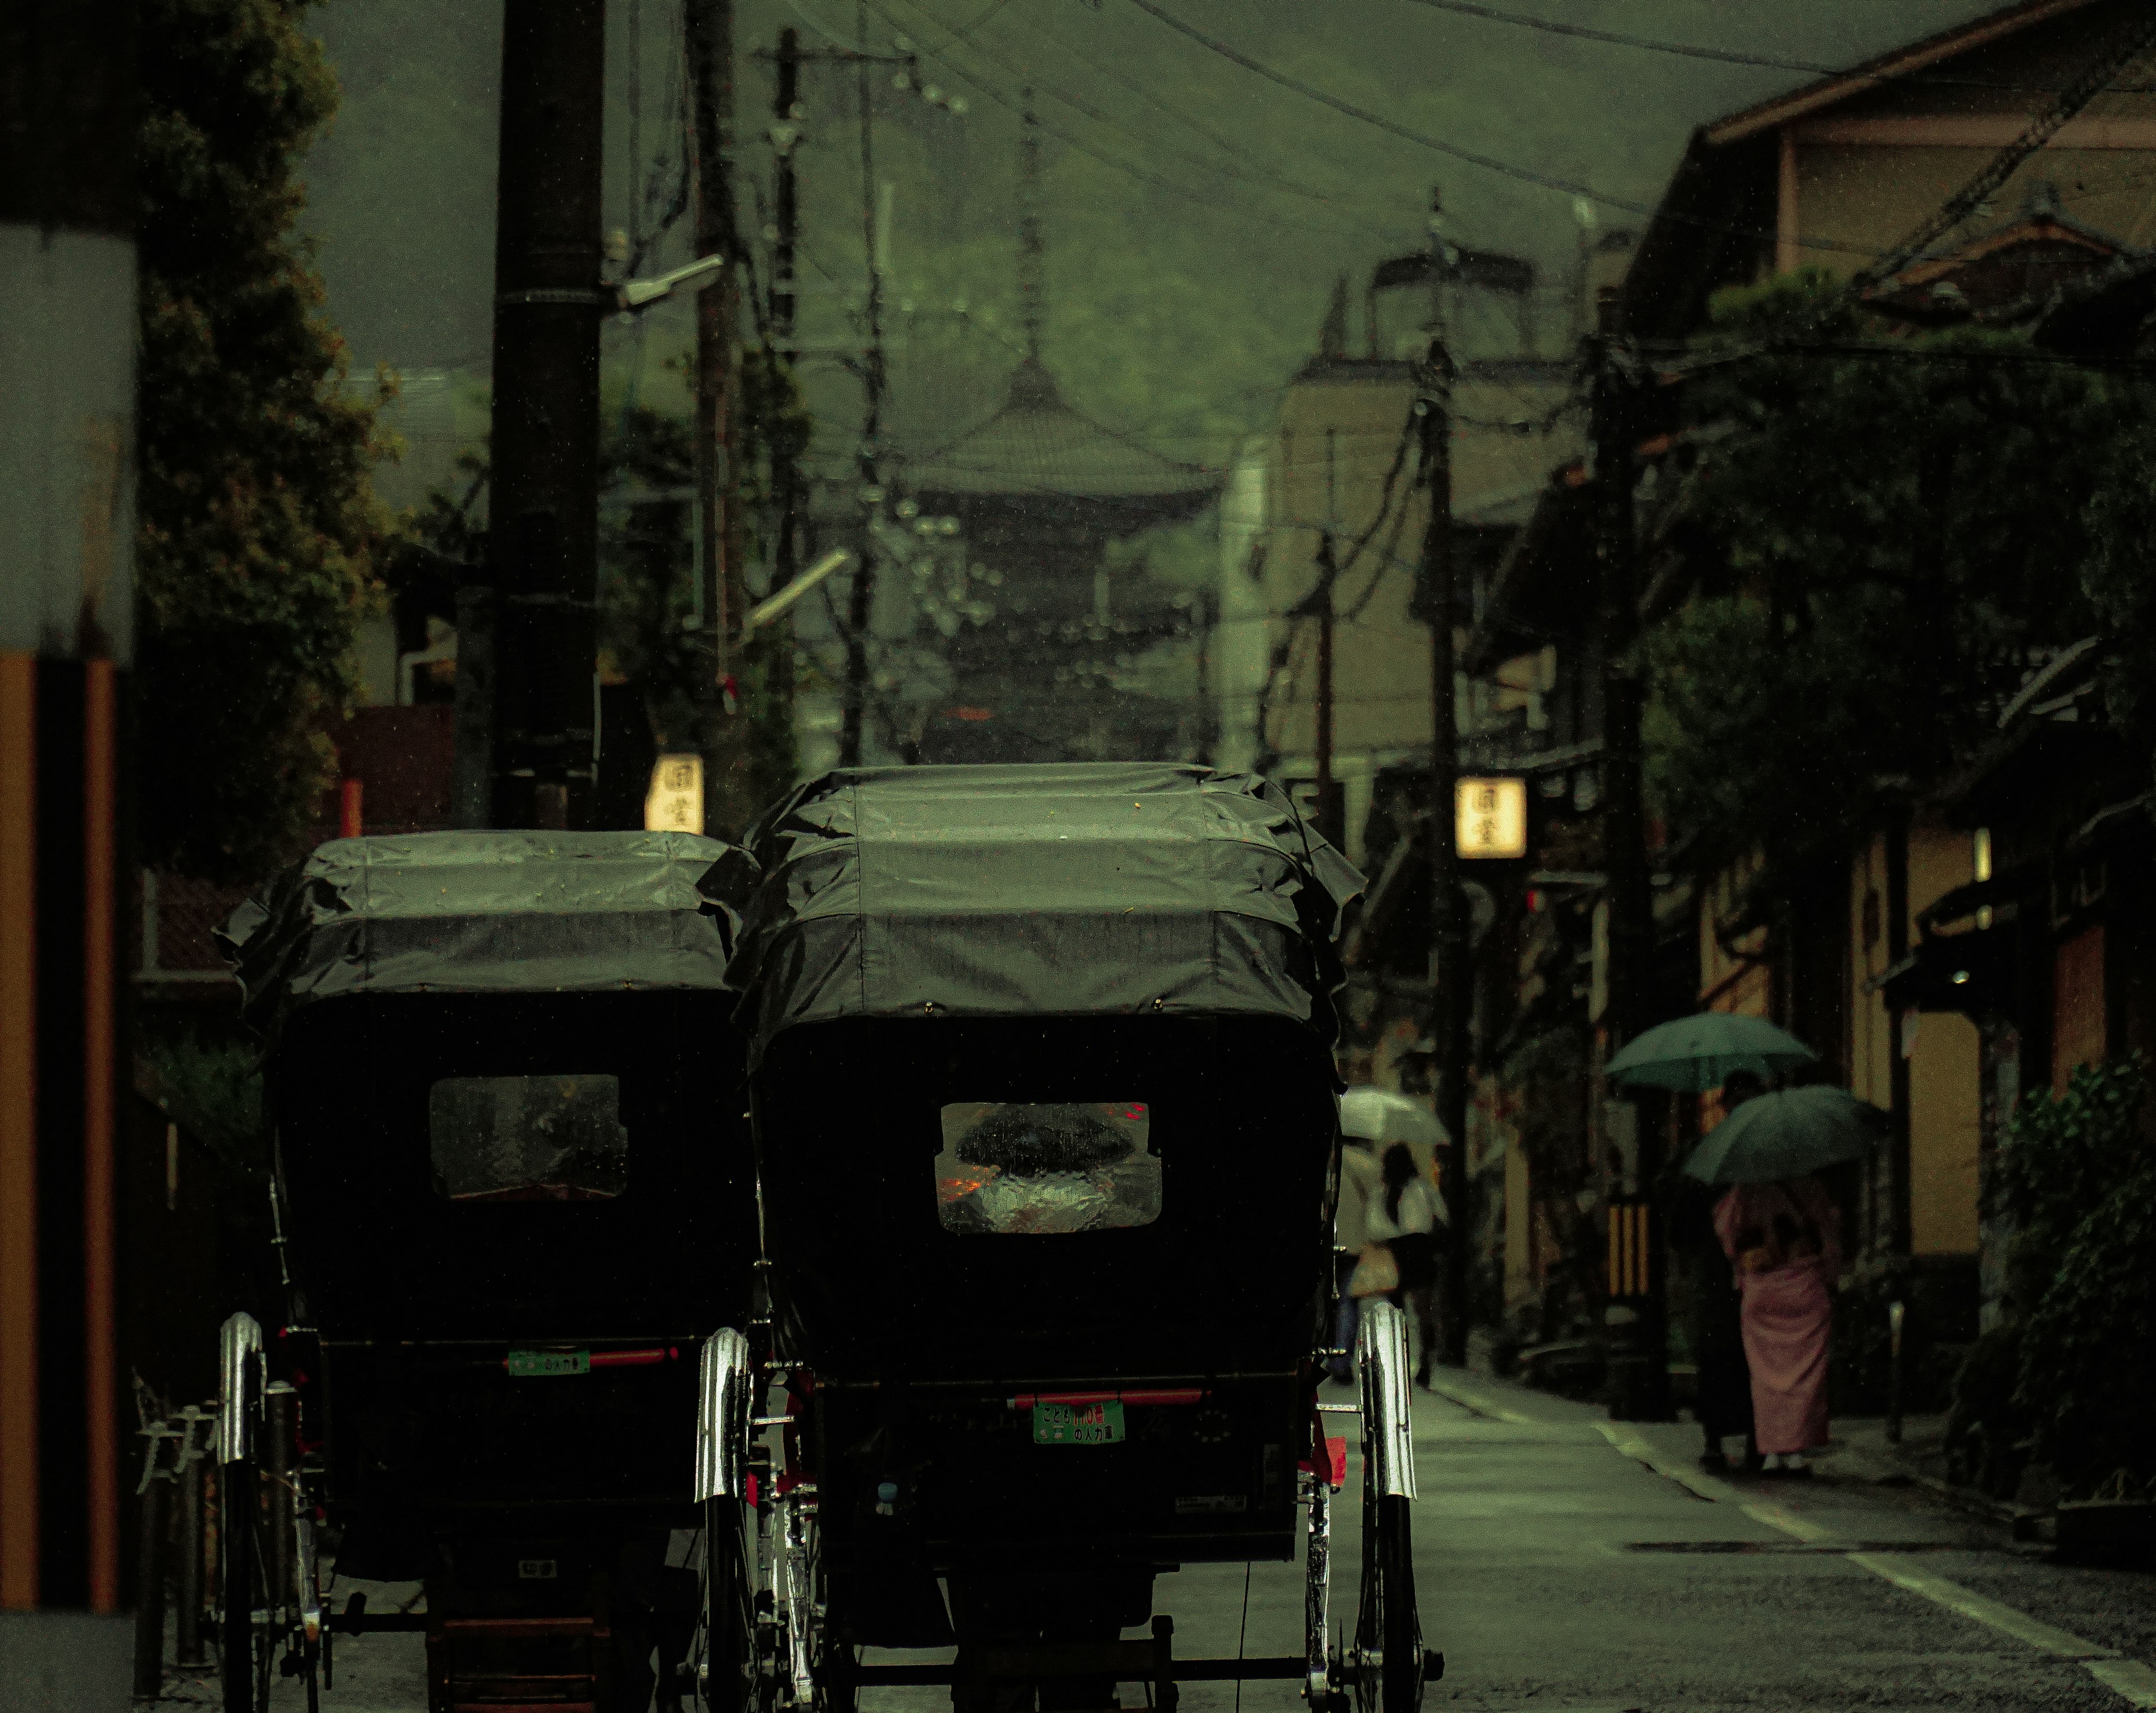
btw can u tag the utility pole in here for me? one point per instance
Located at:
(68, 318)
(1452, 1000)
(860, 601)
(775, 641)
(1614, 432)
(548, 299)
(1328, 573)
(710, 44)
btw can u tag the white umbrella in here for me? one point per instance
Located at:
(1379, 1116)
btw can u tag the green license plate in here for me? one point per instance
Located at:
(1077, 1424)
(536, 1364)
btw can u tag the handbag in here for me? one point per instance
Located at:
(1377, 1274)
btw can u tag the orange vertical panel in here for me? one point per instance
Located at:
(100, 958)
(18, 1133)
(2077, 1005)
(1788, 241)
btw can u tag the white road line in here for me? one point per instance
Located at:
(1638, 1449)
(2128, 1678)
(1898, 1571)
(1788, 1523)
(1454, 1392)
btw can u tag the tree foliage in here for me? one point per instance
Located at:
(2122, 521)
(2074, 1177)
(1886, 544)
(258, 525)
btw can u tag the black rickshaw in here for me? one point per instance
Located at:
(513, 1197)
(1047, 1137)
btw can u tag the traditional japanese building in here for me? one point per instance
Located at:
(1038, 491)
(1043, 664)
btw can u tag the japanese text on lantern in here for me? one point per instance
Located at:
(675, 803)
(1490, 817)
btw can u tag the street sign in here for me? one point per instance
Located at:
(675, 803)
(1490, 817)
(1077, 1424)
(546, 1364)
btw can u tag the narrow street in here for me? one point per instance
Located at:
(1559, 1571)
(1569, 1564)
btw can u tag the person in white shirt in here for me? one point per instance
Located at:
(1403, 1217)
(1362, 1184)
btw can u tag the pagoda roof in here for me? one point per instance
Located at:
(1037, 444)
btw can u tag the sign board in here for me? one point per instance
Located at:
(1077, 1424)
(675, 803)
(544, 1364)
(1490, 817)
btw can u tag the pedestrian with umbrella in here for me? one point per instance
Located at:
(1374, 1122)
(1692, 1055)
(1781, 1231)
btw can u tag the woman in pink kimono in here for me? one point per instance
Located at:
(1784, 1241)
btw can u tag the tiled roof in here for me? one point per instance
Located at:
(1037, 444)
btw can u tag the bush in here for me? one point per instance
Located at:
(2060, 1156)
(1986, 1427)
(2068, 1377)
(2086, 1376)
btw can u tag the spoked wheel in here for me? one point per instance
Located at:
(729, 1675)
(1389, 1662)
(1388, 1677)
(834, 1690)
(244, 1645)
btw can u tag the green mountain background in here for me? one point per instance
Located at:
(1183, 285)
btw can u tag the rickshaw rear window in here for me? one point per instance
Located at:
(1031, 1169)
(528, 1138)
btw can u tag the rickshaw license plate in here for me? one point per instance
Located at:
(538, 1364)
(1077, 1424)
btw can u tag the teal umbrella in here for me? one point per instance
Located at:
(1692, 1054)
(1786, 1135)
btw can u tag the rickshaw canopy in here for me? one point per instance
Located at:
(489, 912)
(1082, 890)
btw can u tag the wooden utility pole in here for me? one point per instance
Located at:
(1614, 434)
(1328, 822)
(1328, 573)
(776, 641)
(710, 43)
(548, 299)
(860, 601)
(1452, 1003)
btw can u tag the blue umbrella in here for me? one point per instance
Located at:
(1786, 1135)
(1692, 1054)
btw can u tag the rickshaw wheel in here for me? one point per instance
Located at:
(246, 1647)
(732, 1680)
(1387, 1624)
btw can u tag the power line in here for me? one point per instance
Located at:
(1207, 199)
(2122, 51)
(1152, 98)
(1489, 163)
(1271, 181)
(1471, 9)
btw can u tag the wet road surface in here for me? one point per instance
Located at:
(1569, 1564)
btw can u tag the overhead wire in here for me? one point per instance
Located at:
(1271, 182)
(1621, 38)
(1473, 157)
(1203, 199)
(1217, 139)
(2122, 51)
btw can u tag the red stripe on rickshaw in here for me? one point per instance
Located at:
(1188, 1394)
